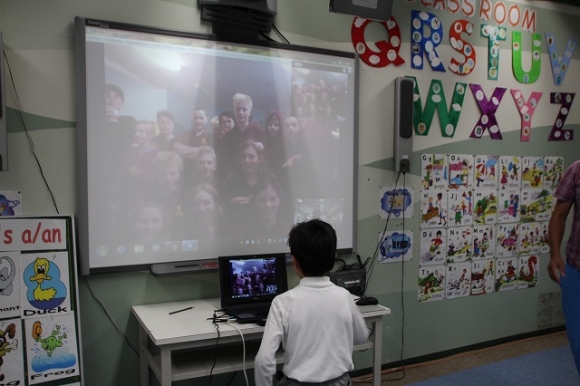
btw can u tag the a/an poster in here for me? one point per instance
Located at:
(11, 352)
(51, 348)
(45, 283)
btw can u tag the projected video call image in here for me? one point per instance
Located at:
(253, 277)
(201, 148)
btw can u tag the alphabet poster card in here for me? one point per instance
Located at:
(553, 170)
(486, 172)
(11, 352)
(9, 284)
(434, 171)
(483, 242)
(533, 171)
(528, 273)
(508, 206)
(529, 239)
(505, 275)
(459, 244)
(431, 283)
(433, 208)
(537, 204)
(482, 277)
(51, 348)
(433, 246)
(460, 171)
(45, 286)
(510, 176)
(395, 247)
(460, 207)
(507, 244)
(543, 239)
(484, 207)
(458, 280)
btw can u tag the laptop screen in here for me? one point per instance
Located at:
(251, 279)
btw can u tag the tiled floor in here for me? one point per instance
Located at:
(432, 369)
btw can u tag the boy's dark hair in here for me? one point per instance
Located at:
(116, 89)
(313, 245)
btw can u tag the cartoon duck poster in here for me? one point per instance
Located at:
(51, 348)
(45, 284)
(11, 352)
(9, 284)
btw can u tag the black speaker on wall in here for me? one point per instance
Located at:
(369, 9)
(3, 134)
(403, 140)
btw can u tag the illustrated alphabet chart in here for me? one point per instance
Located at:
(433, 246)
(458, 280)
(459, 244)
(529, 238)
(510, 176)
(433, 208)
(483, 242)
(506, 274)
(485, 207)
(486, 172)
(460, 171)
(507, 243)
(482, 277)
(528, 273)
(537, 204)
(553, 170)
(431, 283)
(460, 207)
(508, 206)
(532, 172)
(434, 172)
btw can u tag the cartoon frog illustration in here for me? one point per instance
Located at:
(51, 342)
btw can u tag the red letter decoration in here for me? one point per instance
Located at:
(461, 46)
(565, 100)
(388, 50)
(425, 46)
(526, 110)
(487, 121)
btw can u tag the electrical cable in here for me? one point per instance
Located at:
(243, 351)
(280, 33)
(30, 141)
(373, 258)
(109, 315)
(217, 347)
(402, 305)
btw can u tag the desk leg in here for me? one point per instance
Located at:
(377, 351)
(165, 367)
(143, 364)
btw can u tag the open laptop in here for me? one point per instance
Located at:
(249, 283)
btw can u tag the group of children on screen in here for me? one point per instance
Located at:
(225, 177)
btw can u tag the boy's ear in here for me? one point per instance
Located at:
(295, 262)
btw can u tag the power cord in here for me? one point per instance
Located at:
(109, 315)
(243, 352)
(30, 141)
(217, 344)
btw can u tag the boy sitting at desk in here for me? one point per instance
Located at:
(317, 322)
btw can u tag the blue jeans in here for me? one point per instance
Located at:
(570, 286)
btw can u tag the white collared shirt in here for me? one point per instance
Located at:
(317, 323)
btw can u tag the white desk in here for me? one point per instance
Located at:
(182, 345)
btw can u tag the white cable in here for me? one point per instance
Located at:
(244, 351)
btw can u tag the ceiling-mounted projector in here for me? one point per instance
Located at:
(369, 9)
